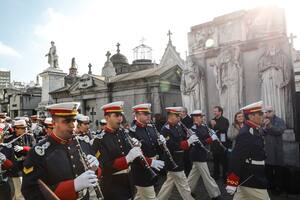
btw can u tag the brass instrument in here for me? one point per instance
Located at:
(164, 147)
(83, 158)
(142, 158)
(190, 133)
(212, 132)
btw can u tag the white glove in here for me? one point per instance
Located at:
(133, 154)
(192, 139)
(214, 137)
(230, 189)
(157, 164)
(135, 142)
(92, 162)
(18, 148)
(162, 139)
(2, 157)
(85, 180)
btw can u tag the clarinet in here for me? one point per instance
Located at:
(212, 132)
(83, 158)
(1, 172)
(164, 147)
(190, 133)
(142, 158)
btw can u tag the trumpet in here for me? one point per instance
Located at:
(190, 133)
(164, 147)
(142, 158)
(83, 158)
(212, 132)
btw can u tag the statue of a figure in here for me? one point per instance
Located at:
(192, 87)
(52, 56)
(275, 77)
(229, 80)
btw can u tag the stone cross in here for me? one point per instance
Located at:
(292, 37)
(118, 47)
(90, 68)
(143, 40)
(108, 55)
(169, 34)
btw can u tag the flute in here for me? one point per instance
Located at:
(83, 158)
(164, 147)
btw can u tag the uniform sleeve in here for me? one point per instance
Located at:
(33, 170)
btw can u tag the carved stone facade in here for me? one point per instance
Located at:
(240, 53)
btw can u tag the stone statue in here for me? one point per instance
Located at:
(229, 80)
(275, 78)
(52, 56)
(192, 87)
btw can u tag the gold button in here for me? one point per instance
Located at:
(121, 146)
(119, 140)
(69, 148)
(74, 166)
(72, 156)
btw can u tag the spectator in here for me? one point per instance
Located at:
(220, 124)
(273, 130)
(235, 127)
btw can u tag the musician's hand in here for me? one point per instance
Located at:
(193, 139)
(133, 154)
(92, 162)
(136, 143)
(230, 189)
(157, 164)
(85, 180)
(18, 148)
(162, 139)
(214, 137)
(2, 157)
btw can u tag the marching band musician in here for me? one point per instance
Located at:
(21, 142)
(199, 157)
(115, 153)
(144, 132)
(56, 160)
(6, 165)
(247, 179)
(177, 142)
(48, 125)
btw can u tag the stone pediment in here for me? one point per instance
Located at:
(172, 75)
(88, 82)
(171, 57)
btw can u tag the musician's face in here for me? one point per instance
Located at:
(257, 118)
(173, 118)
(83, 127)
(198, 119)
(114, 120)
(19, 130)
(143, 117)
(64, 127)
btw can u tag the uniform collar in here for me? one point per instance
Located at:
(252, 124)
(139, 124)
(58, 139)
(171, 124)
(109, 130)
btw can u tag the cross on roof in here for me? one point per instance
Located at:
(118, 47)
(143, 40)
(90, 68)
(169, 34)
(108, 55)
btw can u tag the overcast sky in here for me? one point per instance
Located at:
(86, 29)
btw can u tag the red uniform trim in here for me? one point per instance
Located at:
(7, 164)
(149, 161)
(208, 140)
(65, 190)
(120, 163)
(251, 124)
(184, 145)
(99, 172)
(26, 148)
(233, 179)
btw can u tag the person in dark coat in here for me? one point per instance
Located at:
(220, 125)
(273, 130)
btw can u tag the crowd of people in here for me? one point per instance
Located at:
(61, 158)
